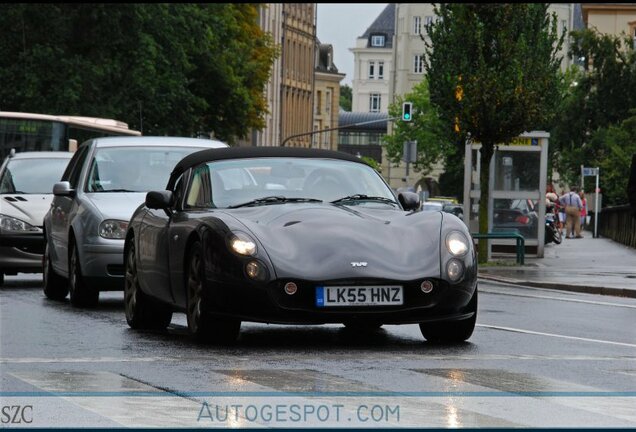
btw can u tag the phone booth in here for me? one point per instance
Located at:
(517, 183)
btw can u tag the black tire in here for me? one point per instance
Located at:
(55, 286)
(204, 327)
(142, 312)
(452, 331)
(81, 294)
(1, 278)
(556, 236)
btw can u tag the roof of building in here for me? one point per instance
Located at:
(324, 59)
(350, 118)
(384, 23)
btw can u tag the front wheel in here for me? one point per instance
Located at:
(452, 331)
(55, 286)
(556, 236)
(201, 325)
(82, 295)
(142, 312)
(1, 278)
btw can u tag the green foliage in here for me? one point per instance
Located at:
(594, 122)
(372, 163)
(346, 97)
(178, 68)
(502, 60)
(425, 127)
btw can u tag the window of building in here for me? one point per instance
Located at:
(374, 102)
(371, 70)
(418, 64)
(377, 40)
(417, 25)
(381, 70)
(328, 101)
(318, 101)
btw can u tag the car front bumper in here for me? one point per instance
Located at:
(103, 265)
(269, 303)
(21, 253)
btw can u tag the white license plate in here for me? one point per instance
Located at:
(359, 296)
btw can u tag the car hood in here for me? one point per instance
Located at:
(324, 241)
(117, 205)
(29, 208)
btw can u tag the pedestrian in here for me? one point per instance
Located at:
(572, 203)
(631, 186)
(559, 211)
(583, 209)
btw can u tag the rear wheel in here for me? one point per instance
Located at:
(81, 294)
(142, 312)
(203, 326)
(55, 286)
(452, 331)
(1, 278)
(556, 236)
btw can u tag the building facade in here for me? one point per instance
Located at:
(611, 18)
(297, 83)
(326, 98)
(373, 57)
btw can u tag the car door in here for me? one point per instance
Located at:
(62, 208)
(155, 248)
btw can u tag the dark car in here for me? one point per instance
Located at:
(518, 215)
(294, 236)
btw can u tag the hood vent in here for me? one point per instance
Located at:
(14, 199)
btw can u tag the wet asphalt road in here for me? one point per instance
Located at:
(538, 358)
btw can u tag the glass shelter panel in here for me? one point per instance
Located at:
(517, 170)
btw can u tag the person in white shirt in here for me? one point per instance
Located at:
(573, 205)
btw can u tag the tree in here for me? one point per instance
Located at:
(180, 69)
(346, 97)
(425, 128)
(492, 71)
(590, 117)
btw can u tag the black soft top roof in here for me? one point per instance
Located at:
(210, 155)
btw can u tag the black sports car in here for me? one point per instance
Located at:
(289, 235)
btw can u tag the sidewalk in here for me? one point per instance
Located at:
(589, 265)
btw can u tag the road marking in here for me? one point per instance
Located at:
(516, 330)
(558, 298)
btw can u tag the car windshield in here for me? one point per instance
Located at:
(133, 169)
(235, 183)
(32, 175)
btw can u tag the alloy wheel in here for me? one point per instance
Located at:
(195, 287)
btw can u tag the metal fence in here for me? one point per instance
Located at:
(617, 224)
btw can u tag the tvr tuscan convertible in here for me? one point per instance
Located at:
(294, 236)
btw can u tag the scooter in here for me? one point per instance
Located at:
(552, 231)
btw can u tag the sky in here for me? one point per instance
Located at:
(340, 24)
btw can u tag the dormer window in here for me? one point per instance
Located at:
(377, 40)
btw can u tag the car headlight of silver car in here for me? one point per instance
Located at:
(11, 225)
(457, 243)
(242, 244)
(113, 229)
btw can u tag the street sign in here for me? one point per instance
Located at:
(409, 151)
(590, 172)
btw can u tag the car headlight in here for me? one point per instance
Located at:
(457, 243)
(113, 229)
(243, 244)
(12, 225)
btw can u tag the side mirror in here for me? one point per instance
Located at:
(159, 200)
(63, 189)
(409, 200)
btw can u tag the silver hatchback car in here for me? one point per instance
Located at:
(84, 230)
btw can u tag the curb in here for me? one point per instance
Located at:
(616, 292)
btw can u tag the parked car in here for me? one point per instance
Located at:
(320, 238)
(432, 206)
(26, 180)
(516, 215)
(104, 183)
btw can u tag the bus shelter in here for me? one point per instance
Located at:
(517, 188)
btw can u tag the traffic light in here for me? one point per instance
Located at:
(407, 108)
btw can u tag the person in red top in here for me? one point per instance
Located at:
(583, 209)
